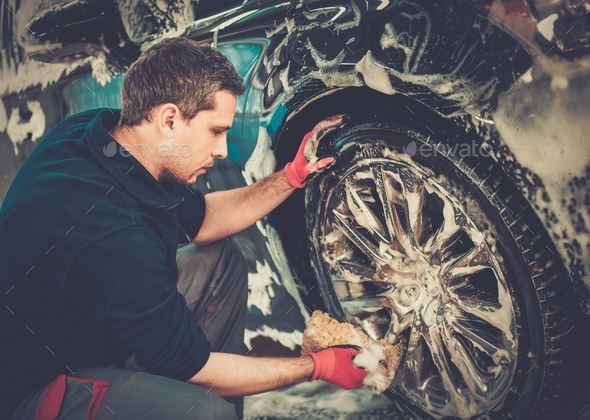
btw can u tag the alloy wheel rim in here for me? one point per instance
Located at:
(406, 262)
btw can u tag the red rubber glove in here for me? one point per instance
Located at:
(334, 365)
(305, 161)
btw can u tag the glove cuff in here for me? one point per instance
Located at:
(292, 176)
(316, 366)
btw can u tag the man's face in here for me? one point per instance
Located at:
(196, 143)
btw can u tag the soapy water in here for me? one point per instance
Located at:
(453, 85)
(371, 358)
(262, 282)
(17, 130)
(542, 123)
(320, 400)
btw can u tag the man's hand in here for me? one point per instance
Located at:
(334, 365)
(306, 162)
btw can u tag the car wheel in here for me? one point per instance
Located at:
(412, 242)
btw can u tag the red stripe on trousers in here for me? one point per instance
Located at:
(52, 399)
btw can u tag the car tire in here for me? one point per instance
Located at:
(490, 342)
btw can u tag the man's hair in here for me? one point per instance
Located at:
(179, 71)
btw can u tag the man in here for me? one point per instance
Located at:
(88, 256)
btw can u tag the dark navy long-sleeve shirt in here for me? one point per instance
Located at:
(88, 271)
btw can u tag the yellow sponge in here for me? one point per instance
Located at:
(380, 357)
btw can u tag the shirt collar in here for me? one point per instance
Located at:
(125, 168)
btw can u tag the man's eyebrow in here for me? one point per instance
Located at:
(221, 127)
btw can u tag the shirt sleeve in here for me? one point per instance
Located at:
(124, 278)
(191, 213)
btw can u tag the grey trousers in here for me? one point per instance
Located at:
(213, 280)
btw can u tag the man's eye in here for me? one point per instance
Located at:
(217, 132)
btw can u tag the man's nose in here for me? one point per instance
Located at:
(220, 151)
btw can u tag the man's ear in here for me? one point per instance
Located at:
(166, 119)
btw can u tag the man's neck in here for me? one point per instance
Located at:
(131, 139)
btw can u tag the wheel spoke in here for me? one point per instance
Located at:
(418, 376)
(357, 238)
(463, 291)
(449, 247)
(472, 278)
(370, 313)
(441, 359)
(478, 303)
(401, 320)
(478, 256)
(364, 216)
(377, 174)
(415, 374)
(456, 283)
(417, 214)
(449, 226)
(367, 304)
(481, 305)
(482, 340)
(449, 236)
(457, 369)
(389, 196)
(464, 271)
(486, 313)
(475, 379)
(414, 340)
(357, 269)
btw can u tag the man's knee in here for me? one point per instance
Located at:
(233, 256)
(221, 259)
(234, 277)
(142, 395)
(223, 250)
(213, 272)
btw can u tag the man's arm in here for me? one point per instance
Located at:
(230, 375)
(231, 211)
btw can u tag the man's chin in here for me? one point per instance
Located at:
(182, 181)
(188, 182)
(194, 177)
